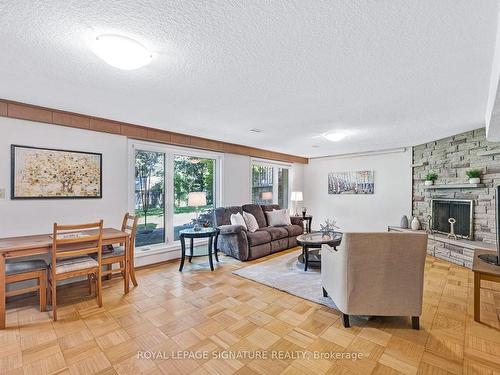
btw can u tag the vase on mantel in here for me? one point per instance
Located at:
(404, 222)
(415, 224)
(429, 182)
(474, 180)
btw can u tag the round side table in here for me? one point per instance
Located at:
(314, 241)
(210, 233)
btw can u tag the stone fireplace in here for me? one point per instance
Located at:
(472, 205)
(460, 210)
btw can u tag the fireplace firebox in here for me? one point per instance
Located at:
(459, 209)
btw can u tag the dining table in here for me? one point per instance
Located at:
(41, 244)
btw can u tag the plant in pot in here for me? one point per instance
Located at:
(474, 176)
(430, 177)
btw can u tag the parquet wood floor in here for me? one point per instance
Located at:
(212, 312)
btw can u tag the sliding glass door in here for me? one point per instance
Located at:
(270, 183)
(150, 197)
(262, 184)
(193, 174)
(163, 178)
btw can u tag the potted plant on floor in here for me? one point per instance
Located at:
(430, 177)
(474, 176)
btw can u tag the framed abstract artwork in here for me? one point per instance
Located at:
(43, 173)
(357, 182)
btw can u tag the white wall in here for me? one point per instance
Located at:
(22, 217)
(236, 180)
(392, 198)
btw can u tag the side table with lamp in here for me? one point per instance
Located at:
(298, 196)
(198, 199)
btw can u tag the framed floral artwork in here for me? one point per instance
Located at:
(43, 173)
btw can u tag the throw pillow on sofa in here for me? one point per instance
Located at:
(250, 221)
(237, 219)
(278, 218)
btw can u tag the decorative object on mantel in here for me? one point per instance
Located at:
(328, 227)
(452, 234)
(43, 173)
(415, 224)
(474, 176)
(430, 177)
(404, 222)
(429, 225)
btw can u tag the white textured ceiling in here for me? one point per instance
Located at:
(392, 73)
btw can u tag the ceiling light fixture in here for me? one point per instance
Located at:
(121, 52)
(335, 136)
(255, 130)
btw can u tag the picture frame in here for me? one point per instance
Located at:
(351, 182)
(46, 173)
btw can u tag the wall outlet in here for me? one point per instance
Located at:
(2, 193)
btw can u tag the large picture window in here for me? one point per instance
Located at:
(270, 184)
(164, 176)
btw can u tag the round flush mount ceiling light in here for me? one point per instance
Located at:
(121, 52)
(335, 136)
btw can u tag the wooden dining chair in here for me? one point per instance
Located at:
(72, 246)
(117, 255)
(24, 270)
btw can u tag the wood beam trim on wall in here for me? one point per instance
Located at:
(30, 112)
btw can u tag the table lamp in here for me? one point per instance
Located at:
(197, 199)
(296, 197)
(266, 195)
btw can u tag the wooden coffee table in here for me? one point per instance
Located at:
(482, 271)
(314, 240)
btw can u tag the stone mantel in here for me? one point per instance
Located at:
(458, 251)
(455, 186)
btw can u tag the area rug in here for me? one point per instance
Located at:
(287, 274)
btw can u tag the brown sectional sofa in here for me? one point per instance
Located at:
(236, 241)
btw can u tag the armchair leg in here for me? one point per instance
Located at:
(345, 319)
(325, 293)
(415, 322)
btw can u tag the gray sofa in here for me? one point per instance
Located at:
(236, 241)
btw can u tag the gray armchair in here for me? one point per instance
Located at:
(376, 274)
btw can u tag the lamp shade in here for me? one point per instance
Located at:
(297, 196)
(197, 198)
(266, 195)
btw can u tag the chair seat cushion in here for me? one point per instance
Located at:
(13, 267)
(116, 252)
(75, 264)
(277, 233)
(294, 230)
(259, 237)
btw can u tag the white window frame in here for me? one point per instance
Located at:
(169, 151)
(275, 165)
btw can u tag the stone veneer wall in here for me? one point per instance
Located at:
(450, 158)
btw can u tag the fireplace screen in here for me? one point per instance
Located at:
(460, 210)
